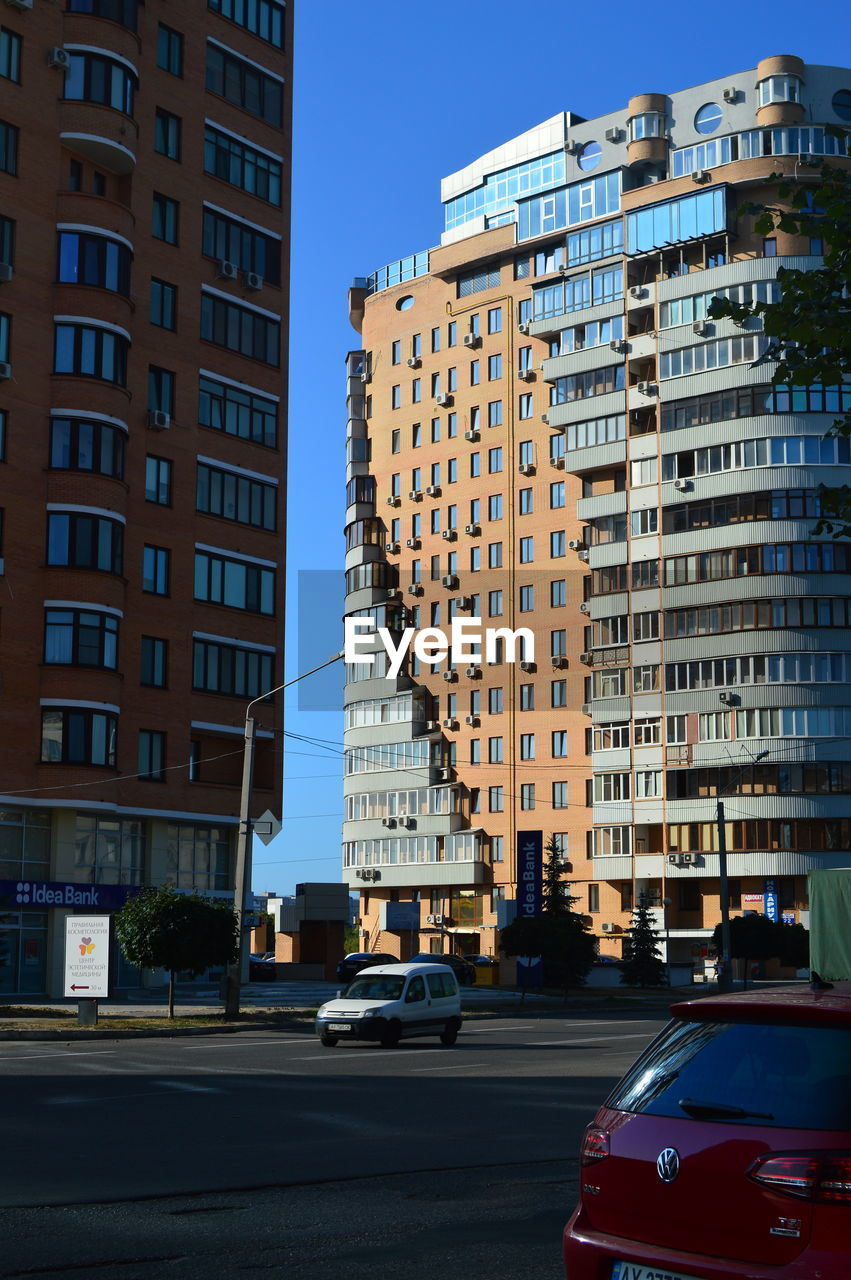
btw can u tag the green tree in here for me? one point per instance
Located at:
(160, 928)
(809, 328)
(755, 937)
(562, 941)
(555, 897)
(642, 965)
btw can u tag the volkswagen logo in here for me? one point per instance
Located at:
(668, 1164)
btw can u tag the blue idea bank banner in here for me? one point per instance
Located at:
(530, 860)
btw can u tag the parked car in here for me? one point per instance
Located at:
(261, 968)
(725, 1151)
(490, 961)
(389, 1002)
(357, 960)
(463, 970)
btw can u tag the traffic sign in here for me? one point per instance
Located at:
(266, 827)
(87, 957)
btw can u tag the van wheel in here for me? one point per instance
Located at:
(391, 1035)
(328, 1041)
(449, 1034)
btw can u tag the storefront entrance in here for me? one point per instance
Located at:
(23, 952)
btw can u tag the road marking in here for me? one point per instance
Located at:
(457, 1066)
(82, 1053)
(185, 1087)
(341, 1057)
(634, 1035)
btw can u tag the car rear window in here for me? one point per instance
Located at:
(792, 1077)
(441, 985)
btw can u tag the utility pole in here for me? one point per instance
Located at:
(238, 972)
(725, 970)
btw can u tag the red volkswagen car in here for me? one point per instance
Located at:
(725, 1151)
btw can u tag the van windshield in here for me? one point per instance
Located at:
(375, 986)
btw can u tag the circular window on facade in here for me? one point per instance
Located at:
(708, 118)
(842, 104)
(590, 155)
(405, 304)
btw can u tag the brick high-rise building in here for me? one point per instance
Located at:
(144, 222)
(545, 429)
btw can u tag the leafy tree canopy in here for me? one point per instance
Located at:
(755, 937)
(563, 942)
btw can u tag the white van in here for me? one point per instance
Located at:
(389, 1001)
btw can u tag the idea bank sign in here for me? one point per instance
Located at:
(530, 858)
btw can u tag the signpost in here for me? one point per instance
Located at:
(87, 964)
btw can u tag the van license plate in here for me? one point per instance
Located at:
(637, 1271)
(339, 1026)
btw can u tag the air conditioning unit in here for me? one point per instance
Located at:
(414, 544)
(473, 673)
(559, 662)
(471, 720)
(450, 676)
(226, 270)
(586, 708)
(415, 495)
(406, 822)
(576, 544)
(438, 918)
(574, 148)
(388, 822)
(583, 556)
(608, 926)
(431, 725)
(159, 420)
(444, 775)
(472, 340)
(394, 501)
(527, 666)
(729, 699)
(701, 328)
(464, 602)
(699, 175)
(433, 490)
(449, 535)
(730, 94)
(393, 593)
(587, 657)
(682, 484)
(618, 345)
(613, 135)
(472, 435)
(526, 468)
(688, 859)
(472, 529)
(637, 291)
(558, 463)
(585, 607)
(449, 722)
(523, 326)
(253, 280)
(413, 362)
(644, 388)
(525, 375)
(6, 272)
(545, 418)
(60, 58)
(391, 548)
(449, 580)
(415, 589)
(429, 919)
(445, 399)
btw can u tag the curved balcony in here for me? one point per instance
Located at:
(86, 209)
(96, 27)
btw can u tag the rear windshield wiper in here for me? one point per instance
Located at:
(719, 1111)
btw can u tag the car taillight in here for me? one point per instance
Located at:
(595, 1146)
(822, 1176)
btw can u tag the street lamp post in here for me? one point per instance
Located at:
(238, 972)
(725, 972)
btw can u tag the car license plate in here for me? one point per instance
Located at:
(339, 1026)
(637, 1271)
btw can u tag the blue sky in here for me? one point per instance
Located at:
(391, 96)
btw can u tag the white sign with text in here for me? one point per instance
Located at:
(87, 957)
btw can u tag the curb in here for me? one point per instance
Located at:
(145, 1033)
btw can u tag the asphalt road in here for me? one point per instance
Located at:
(264, 1152)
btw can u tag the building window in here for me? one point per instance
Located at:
(163, 310)
(80, 638)
(169, 50)
(263, 18)
(151, 755)
(527, 795)
(558, 693)
(527, 746)
(559, 743)
(158, 480)
(10, 55)
(240, 328)
(164, 224)
(496, 799)
(88, 351)
(494, 461)
(494, 367)
(560, 795)
(495, 413)
(156, 563)
(236, 497)
(198, 857)
(237, 584)
(94, 77)
(495, 506)
(495, 750)
(229, 669)
(594, 898)
(527, 599)
(558, 593)
(527, 697)
(78, 445)
(769, 248)
(160, 390)
(495, 320)
(238, 412)
(113, 850)
(226, 238)
(242, 165)
(244, 84)
(167, 134)
(76, 735)
(83, 541)
(153, 667)
(8, 148)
